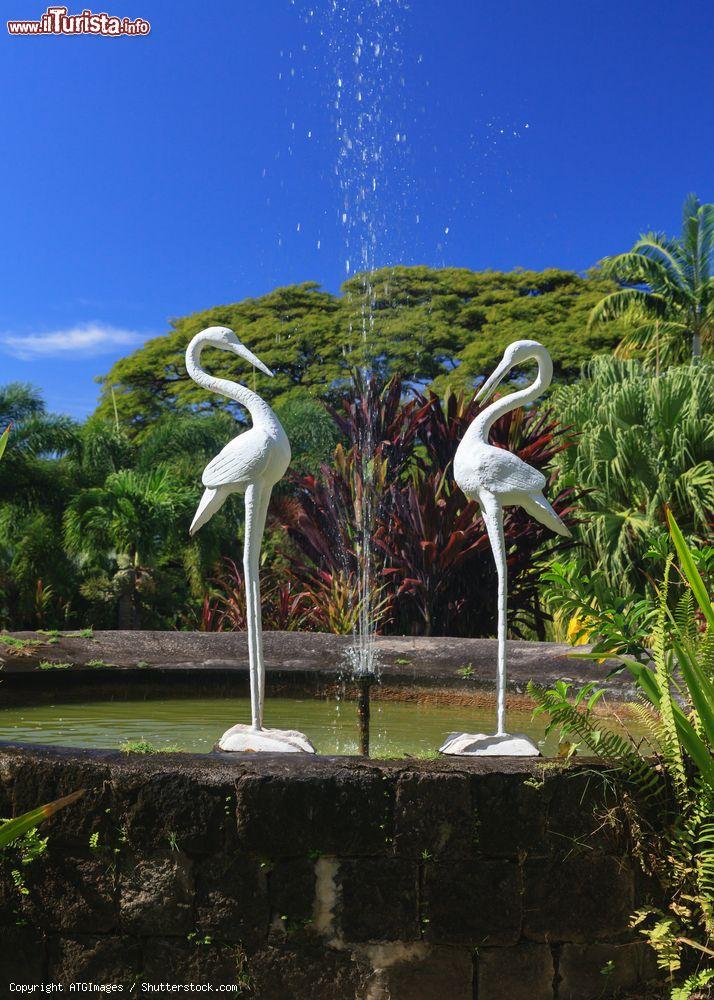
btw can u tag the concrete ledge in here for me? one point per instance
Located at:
(315, 659)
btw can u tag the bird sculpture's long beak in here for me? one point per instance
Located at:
(249, 356)
(492, 383)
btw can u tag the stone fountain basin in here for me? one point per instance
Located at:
(185, 689)
(327, 879)
(330, 877)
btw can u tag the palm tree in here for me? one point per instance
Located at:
(34, 486)
(130, 523)
(667, 298)
(38, 438)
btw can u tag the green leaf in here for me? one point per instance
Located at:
(3, 440)
(14, 828)
(688, 736)
(701, 690)
(690, 570)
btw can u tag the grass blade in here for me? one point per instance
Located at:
(14, 828)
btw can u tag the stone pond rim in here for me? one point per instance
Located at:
(292, 658)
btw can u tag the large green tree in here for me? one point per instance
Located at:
(667, 296)
(432, 327)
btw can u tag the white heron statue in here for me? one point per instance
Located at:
(251, 464)
(497, 479)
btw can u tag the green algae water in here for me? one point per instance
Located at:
(195, 724)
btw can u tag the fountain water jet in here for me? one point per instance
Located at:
(367, 61)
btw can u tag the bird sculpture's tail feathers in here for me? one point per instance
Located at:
(537, 505)
(211, 501)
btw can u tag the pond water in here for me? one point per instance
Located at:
(195, 724)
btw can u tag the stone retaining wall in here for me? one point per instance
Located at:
(321, 879)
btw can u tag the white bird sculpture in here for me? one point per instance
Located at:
(251, 464)
(497, 478)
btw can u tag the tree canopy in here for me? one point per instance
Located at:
(430, 327)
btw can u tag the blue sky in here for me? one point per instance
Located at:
(144, 178)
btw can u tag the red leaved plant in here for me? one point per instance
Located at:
(433, 570)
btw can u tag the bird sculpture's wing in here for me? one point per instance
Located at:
(242, 461)
(507, 473)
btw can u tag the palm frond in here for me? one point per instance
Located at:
(666, 251)
(626, 304)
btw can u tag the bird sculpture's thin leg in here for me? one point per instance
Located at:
(251, 569)
(493, 517)
(259, 532)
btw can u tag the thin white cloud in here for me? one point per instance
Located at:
(83, 340)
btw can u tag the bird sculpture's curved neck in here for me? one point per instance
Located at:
(259, 410)
(483, 423)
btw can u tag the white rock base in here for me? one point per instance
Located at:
(245, 739)
(481, 745)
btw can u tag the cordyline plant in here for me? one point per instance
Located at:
(285, 607)
(432, 562)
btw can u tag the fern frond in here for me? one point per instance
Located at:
(601, 742)
(649, 722)
(705, 870)
(684, 618)
(669, 738)
(692, 984)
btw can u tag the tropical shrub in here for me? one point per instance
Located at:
(285, 607)
(129, 556)
(644, 443)
(666, 781)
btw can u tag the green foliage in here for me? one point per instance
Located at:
(36, 437)
(311, 431)
(671, 775)
(444, 326)
(667, 301)
(585, 609)
(642, 443)
(132, 519)
(693, 984)
(96, 528)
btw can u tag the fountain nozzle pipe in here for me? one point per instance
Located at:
(364, 684)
